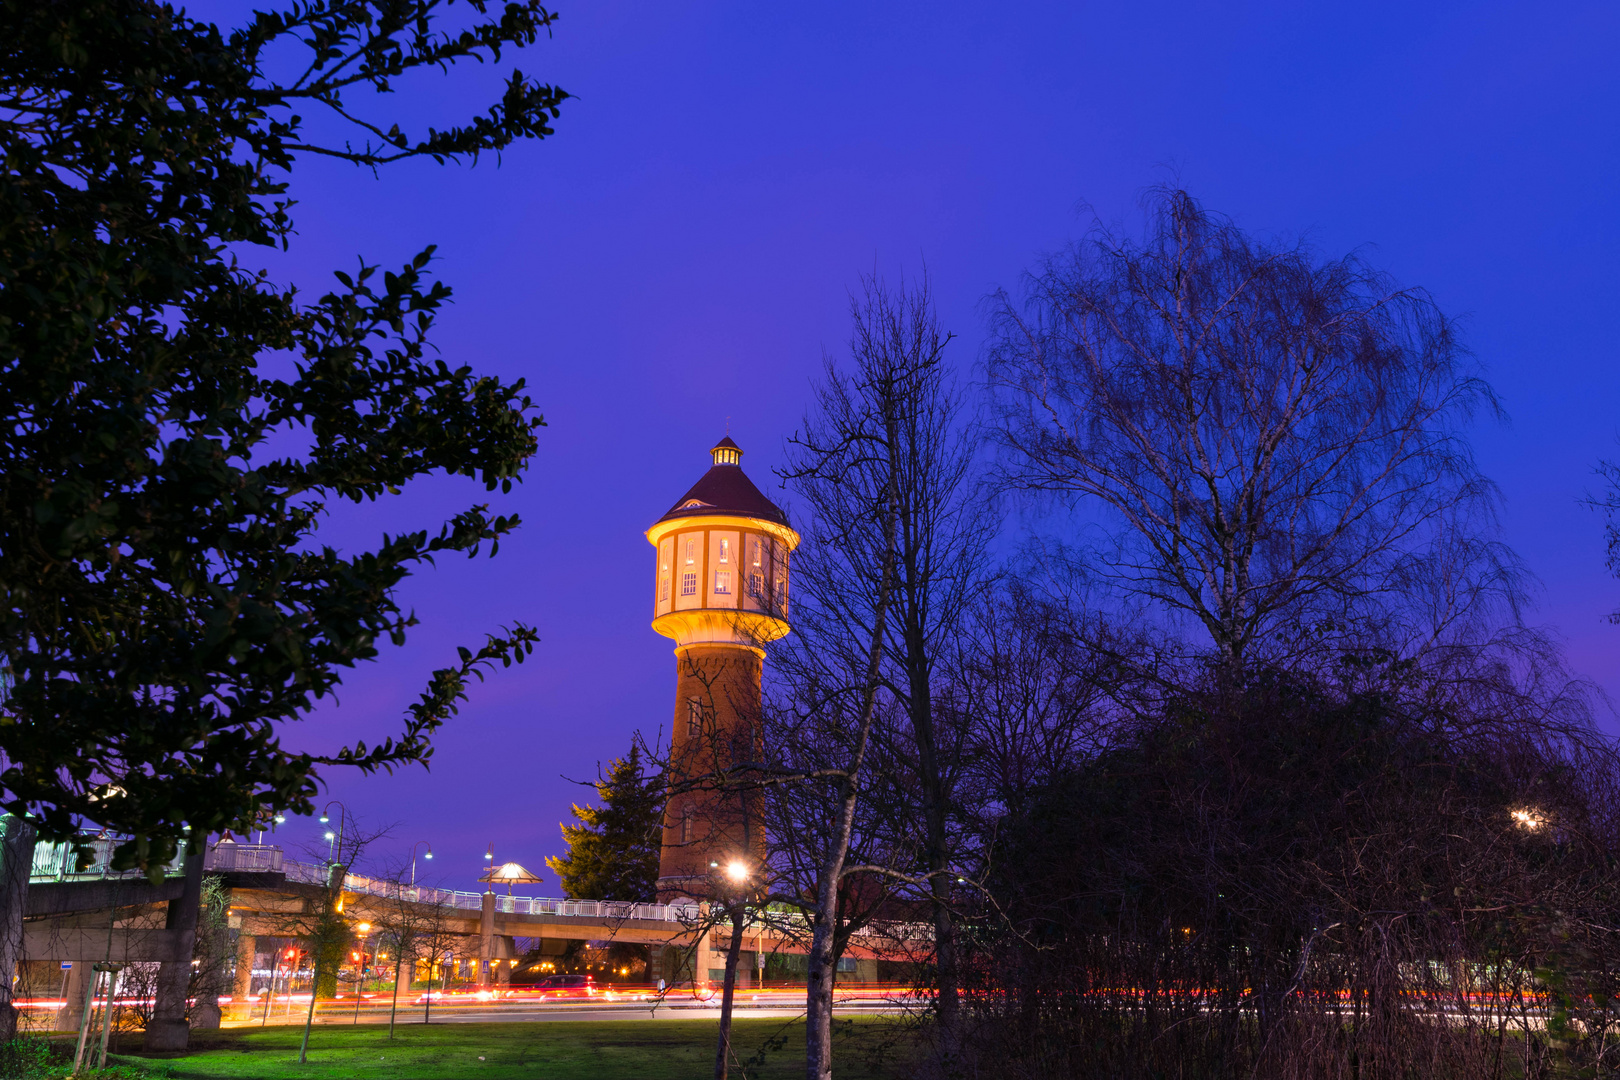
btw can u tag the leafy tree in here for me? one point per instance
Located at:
(175, 425)
(613, 851)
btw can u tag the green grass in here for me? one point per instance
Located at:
(556, 1050)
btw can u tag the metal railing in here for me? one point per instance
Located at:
(56, 862)
(244, 858)
(609, 910)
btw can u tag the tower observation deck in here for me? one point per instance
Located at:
(721, 594)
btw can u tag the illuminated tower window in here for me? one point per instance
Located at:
(689, 571)
(755, 576)
(666, 555)
(722, 582)
(694, 718)
(725, 549)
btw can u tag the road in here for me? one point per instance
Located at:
(675, 1006)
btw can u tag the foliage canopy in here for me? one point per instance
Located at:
(175, 424)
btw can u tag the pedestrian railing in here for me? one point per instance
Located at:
(57, 862)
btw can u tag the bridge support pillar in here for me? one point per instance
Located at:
(247, 951)
(72, 1010)
(486, 940)
(702, 960)
(167, 1030)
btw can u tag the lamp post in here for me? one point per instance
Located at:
(343, 812)
(279, 819)
(736, 874)
(429, 855)
(331, 837)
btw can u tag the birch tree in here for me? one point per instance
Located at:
(1274, 440)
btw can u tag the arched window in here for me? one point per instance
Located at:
(688, 812)
(694, 718)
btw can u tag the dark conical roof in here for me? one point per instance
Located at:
(725, 489)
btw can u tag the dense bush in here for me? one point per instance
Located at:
(1295, 879)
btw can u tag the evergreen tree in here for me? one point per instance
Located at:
(613, 851)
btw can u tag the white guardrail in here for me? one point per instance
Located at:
(56, 862)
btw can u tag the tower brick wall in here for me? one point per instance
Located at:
(716, 726)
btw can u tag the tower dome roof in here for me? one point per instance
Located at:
(725, 490)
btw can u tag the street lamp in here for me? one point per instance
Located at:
(279, 819)
(429, 855)
(343, 813)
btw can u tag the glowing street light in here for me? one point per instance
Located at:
(429, 855)
(1528, 820)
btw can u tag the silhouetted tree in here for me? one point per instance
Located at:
(895, 548)
(1274, 439)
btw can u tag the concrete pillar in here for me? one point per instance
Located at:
(505, 953)
(486, 940)
(168, 1031)
(702, 960)
(247, 951)
(16, 863)
(68, 1016)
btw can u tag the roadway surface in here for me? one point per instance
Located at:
(674, 1006)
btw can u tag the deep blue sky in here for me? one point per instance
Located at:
(681, 251)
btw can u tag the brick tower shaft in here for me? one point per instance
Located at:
(716, 727)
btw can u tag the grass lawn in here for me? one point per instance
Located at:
(555, 1050)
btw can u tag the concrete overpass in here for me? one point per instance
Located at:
(78, 917)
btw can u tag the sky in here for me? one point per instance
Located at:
(679, 257)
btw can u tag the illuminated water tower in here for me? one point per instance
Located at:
(721, 594)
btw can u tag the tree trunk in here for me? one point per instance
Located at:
(16, 863)
(722, 1056)
(936, 849)
(399, 962)
(819, 981)
(168, 1030)
(309, 1018)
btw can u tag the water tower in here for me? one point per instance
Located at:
(721, 589)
